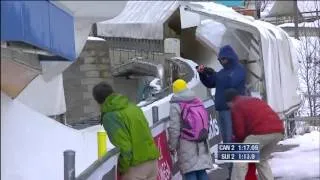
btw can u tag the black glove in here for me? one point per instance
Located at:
(209, 70)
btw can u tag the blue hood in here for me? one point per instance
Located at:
(233, 75)
(228, 52)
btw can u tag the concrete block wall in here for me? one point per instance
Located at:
(92, 67)
(121, 56)
(118, 57)
(124, 50)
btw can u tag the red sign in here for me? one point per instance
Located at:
(164, 161)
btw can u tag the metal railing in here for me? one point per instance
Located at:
(293, 123)
(97, 170)
(69, 164)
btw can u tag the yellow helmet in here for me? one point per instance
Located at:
(179, 85)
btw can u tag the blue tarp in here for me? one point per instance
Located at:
(41, 24)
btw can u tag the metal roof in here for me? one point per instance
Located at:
(139, 20)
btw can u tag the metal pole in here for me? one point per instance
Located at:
(155, 115)
(258, 9)
(296, 20)
(69, 165)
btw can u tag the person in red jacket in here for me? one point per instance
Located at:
(254, 121)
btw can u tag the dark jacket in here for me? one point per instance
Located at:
(252, 116)
(128, 130)
(232, 75)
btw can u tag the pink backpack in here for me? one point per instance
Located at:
(195, 121)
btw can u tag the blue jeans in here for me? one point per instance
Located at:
(225, 123)
(196, 175)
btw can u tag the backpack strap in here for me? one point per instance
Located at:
(182, 107)
(206, 147)
(197, 149)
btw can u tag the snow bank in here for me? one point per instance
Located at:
(32, 144)
(301, 162)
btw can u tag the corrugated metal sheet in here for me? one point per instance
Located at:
(139, 20)
(40, 24)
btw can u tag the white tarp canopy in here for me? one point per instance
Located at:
(278, 58)
(274, 51)
(139, 20)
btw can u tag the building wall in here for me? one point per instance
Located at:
(123, 50)
(92, 67)
(96, 63)
(121, 56)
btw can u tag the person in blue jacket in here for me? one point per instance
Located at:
(232, 75)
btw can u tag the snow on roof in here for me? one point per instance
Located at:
(215, 8)
(139, 19)
(219, 8)
(132, 23)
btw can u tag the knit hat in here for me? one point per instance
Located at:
(179, 85)
(101, 91)
(230, 94)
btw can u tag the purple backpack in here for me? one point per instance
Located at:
(195, 121)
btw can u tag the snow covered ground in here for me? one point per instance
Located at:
(299, 163)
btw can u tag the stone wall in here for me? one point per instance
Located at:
(92, 67)
(118, 57)
(95, 64)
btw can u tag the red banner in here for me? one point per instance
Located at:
(164, 161)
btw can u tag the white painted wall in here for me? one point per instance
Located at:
(45, 97)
